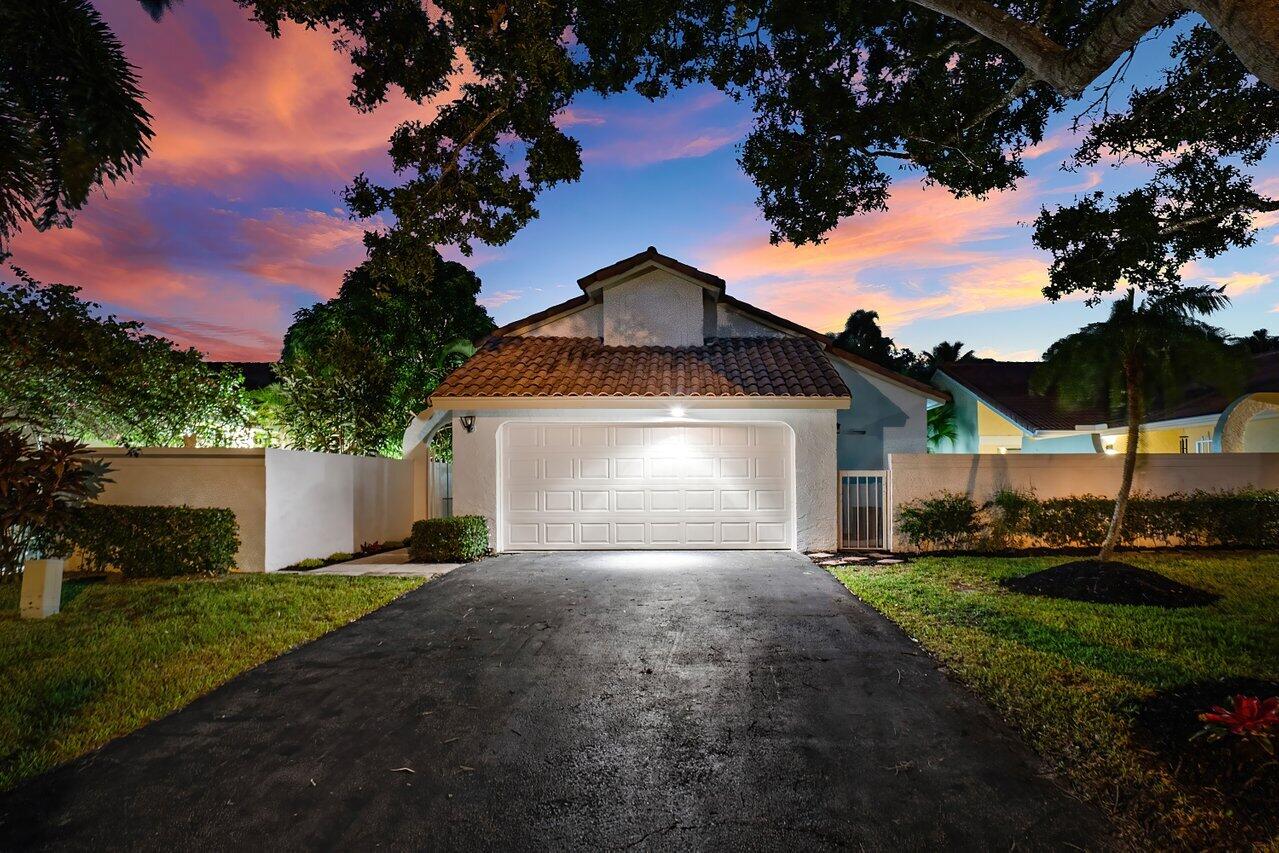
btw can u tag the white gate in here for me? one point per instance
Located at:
(863, 522)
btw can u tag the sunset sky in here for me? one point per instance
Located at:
(235, 221)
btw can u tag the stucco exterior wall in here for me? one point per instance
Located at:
(967, 430)
(475, 458)
(1261, 435)
(235, 479)
(586, 323)
(734, 324)
(320, 503)
(916, 476)
(883, 418)
(657, 308)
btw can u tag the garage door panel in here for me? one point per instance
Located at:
(615, 486)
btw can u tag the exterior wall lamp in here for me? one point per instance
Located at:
(468, 422)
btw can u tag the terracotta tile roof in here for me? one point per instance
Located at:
(1005, 387)
(650, 254)
(584, 367)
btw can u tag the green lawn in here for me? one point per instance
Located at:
(119, 656)
(1069, 675)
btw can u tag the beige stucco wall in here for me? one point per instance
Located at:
(235, 479)
(1261, 435)
(289, 504)
(1050, 475)
(475, 458)
(657, 308)
(731, 323)
(995, 430)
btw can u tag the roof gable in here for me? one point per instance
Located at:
(649, 256)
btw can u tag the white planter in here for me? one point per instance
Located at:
(42, 588)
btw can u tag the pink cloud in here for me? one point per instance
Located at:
(656, 133)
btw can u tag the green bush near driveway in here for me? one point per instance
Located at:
(156, 541)
(121, 655)
(449, 540)
(1014, 519)
(1070, 676)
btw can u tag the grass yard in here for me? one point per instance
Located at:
(119, 656)
(1071, 676)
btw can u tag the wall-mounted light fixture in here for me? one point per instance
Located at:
(677, 411)
(468, 422)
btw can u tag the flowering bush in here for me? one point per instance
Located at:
(1248, 717)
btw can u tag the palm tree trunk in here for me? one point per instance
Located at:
(1133, 392)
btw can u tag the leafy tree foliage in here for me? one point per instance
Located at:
(843, 95)
(1260, 341)
(948, 352)
(357, 368)
(863, 336)
(71, 114)
(1143, 355)
(65, 370)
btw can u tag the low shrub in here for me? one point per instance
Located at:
(1014, 519)
(446, 540)
(156, 541)
(948, 520)
(308, 563)
(339, 557)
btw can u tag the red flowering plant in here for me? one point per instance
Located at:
(1249, 717)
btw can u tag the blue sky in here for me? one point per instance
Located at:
(235, 222)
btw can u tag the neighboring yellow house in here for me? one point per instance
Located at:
(996, 413)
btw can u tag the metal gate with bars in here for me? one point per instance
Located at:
(863, 523)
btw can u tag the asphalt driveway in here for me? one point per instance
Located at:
(628, 700)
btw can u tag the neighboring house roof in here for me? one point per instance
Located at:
(585, 367)
(1005, 387)
(1204, 401)
(257, 374)
(650, 254)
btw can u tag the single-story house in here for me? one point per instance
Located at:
(995, 412)
(657, 411)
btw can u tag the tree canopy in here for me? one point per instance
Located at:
(843, 96)
(67, 370)
(356, 369)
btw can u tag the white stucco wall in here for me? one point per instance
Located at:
(321, 503)
(916, 476)
(585, 323)
(657, 308)
(475, 458)
(734, 324)
(213, 477)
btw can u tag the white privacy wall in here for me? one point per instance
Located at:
(320, 503)
(475, 457)
(289, 504)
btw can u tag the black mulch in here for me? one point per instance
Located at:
(1109, 583)
(1242, 775)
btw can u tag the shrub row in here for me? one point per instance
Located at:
(449, 540)
(1012, 519)
(156, 541)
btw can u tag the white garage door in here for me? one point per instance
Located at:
(589, 486)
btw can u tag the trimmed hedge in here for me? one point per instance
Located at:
(1232, 519)
(156, 541)
(449, 540)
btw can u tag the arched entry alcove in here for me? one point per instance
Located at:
(1228, 435)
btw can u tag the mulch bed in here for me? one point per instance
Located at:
(1246, 779)
(857, 559)
(1109, 583)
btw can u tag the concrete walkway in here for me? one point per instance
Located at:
(739, 701)
(393, 563)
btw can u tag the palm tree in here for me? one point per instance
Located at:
(1261, 341)
(1145, 352)
(71, 114)
(948, 352)
(941, 425)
